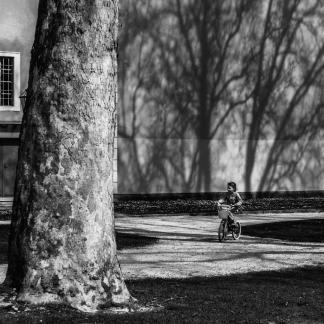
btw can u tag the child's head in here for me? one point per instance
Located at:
(231, 186)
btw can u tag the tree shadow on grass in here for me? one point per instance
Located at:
(289, 296)
(310, 230)
(126, 240)
(123, 241)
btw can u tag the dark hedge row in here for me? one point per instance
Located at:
(207, 206)
(194, 206)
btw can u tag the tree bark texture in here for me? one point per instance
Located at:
(62, 243)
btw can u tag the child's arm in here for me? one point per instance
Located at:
(221, 200)
(239, 200)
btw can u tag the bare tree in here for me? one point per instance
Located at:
(201, 72)
(189, 67)
(202, 68)
(62, 244)
(286, 62)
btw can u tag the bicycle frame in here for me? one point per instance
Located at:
(224, 212)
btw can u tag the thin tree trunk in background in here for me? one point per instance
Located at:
(203, 132)
(62, 243)
(249, 163)
(204, 166)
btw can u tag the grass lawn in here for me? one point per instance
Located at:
(291, 296)
(295, 296)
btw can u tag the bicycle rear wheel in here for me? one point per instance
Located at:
(222, 230)
(236, 233)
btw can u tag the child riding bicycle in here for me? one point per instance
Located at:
(233, 199)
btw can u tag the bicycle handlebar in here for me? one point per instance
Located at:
(222, 206)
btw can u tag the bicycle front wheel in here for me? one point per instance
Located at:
(236, 233)
(222, 230)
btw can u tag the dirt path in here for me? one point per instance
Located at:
(188, 246)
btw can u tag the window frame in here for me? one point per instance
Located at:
(16, 78)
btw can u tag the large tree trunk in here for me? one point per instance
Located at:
(62, 244)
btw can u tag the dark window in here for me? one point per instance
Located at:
(6, 81)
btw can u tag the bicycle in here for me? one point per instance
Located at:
(224, 227)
